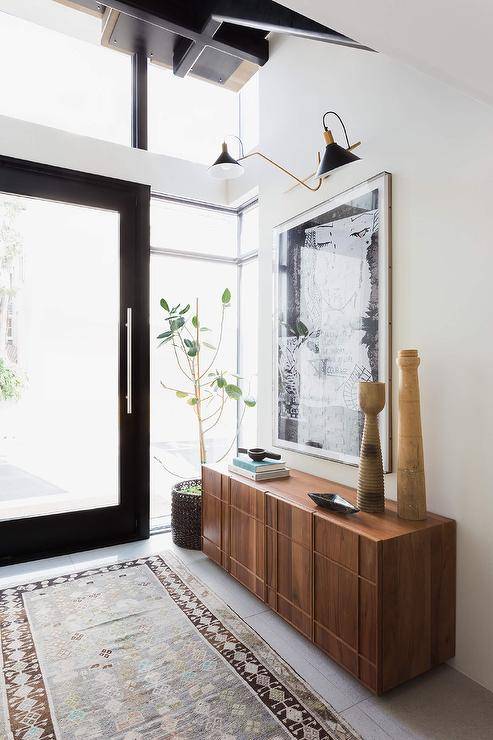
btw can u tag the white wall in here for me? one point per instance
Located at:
(164, 174)
(438, 145)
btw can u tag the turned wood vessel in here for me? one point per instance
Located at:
(370, 494)
(411, 491)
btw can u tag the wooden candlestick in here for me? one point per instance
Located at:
(370, 494)
(411, 491)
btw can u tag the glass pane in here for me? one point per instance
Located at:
(249, 347)
(60, 81)
(249, 122)
(59, 317)
(249, 231)
(189, 118)
(174, 433)
(193, 229)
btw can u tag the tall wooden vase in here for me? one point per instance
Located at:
(370, 494)
(411, 492)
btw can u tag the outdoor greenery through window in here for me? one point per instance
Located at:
(196, 255)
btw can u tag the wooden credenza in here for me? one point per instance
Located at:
(375, 592)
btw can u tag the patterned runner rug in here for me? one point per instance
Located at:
(143, 650)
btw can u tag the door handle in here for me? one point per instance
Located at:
(129, 360)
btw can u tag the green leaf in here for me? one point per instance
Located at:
(164, 335)
(195, 321)
(184, 310)
(192, 401)
(221, 382)
(233, 391)
(301, 328)
(226, 297)
(164, 304)
(177, 323)
(249, 401)
(188, 343)
(192, 352)
(182, 394)
(204, 328)
(210, 346)
(175, 308)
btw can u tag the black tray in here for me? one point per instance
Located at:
(334, 502)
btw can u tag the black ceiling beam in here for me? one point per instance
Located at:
(256, 52)
(329, 37)
(186, 52)
(271, 16)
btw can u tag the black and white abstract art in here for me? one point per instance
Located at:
(332, 322)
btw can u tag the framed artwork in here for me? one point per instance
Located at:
(332, 322)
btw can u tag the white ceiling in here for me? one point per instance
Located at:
(449, 39)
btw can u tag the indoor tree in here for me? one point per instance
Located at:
(205, 389)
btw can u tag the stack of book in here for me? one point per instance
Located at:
(258, 471)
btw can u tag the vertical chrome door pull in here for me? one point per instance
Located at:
(129, 360)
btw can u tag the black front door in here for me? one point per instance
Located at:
(74, 360)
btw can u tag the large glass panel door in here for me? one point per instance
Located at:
(73, 401)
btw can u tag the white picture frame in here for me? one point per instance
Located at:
(332, 322)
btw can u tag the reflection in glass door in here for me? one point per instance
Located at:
(59, 317)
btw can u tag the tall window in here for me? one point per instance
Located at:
(188, 117)
(198, 252)
(56, 80)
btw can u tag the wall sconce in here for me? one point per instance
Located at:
(226, 167)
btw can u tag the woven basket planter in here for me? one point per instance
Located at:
(186, 511)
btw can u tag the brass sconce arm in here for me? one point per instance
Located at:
(283, 169)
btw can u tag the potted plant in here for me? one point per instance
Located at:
(207, 391)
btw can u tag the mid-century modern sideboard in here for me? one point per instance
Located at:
(375, 592)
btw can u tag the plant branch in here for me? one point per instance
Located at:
(235, 437)
(175, 390)
(217, 411)
(218, 345)
(175, 475)
(190, 363)
(175, 348)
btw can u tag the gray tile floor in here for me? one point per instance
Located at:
(443, 704)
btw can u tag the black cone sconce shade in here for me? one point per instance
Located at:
(335, 155)
(225, 167)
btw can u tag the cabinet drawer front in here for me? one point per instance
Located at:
(295, 523)
(211, 482)
(295, 616)
(211, 550)
(368, 559)
(337, 543)
(247, 542)
(225, 488)
(337, 650)
(368, 620)
(294, 570)
(247, 578)
(211, 518)
(247, 499)
(336, 600)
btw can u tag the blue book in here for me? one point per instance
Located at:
(247, 463)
